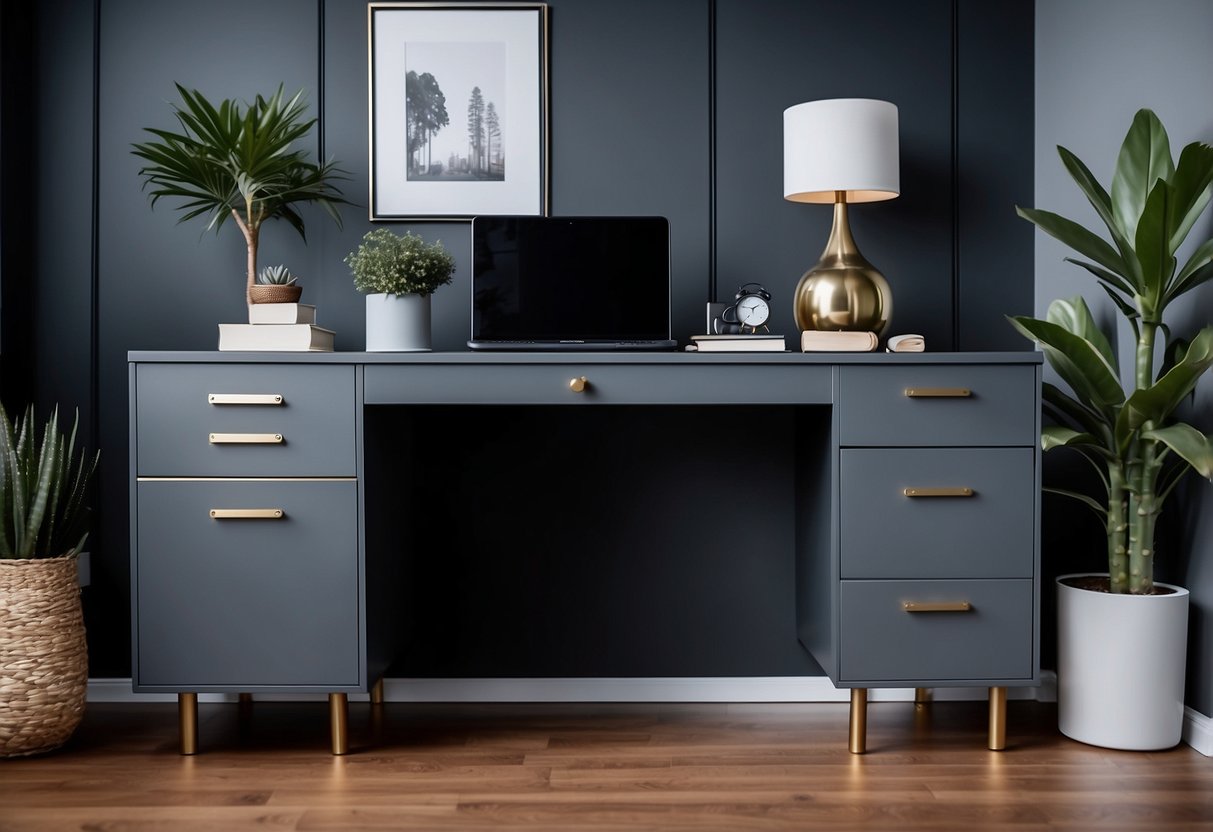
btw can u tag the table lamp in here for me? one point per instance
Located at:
(840, 151)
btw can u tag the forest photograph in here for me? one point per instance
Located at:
(455, 111)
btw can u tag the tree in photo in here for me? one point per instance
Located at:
(476, 136)
(493, 128)
(425, 115)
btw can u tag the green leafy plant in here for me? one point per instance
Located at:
(236, 161)
(1129, 431)
(399, 265)
(275, 276)
(42, 489)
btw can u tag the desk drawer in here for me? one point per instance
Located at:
(905, 512)
(247, 601)
(882, 642)
(938, 405)
(176, 419)
(605, 384)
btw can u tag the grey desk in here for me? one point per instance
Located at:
(259, 562)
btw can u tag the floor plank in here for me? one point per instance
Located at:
(597, 767)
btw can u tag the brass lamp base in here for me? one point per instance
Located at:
(844, 290)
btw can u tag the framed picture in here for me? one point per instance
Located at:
(459, 110)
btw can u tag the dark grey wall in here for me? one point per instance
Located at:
(671, 108)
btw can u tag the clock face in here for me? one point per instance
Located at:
(752, 311)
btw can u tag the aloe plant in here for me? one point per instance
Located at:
(275, 276)
(235, 161)
(1128, 430)
(42, 489)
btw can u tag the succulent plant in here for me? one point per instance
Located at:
(275, 276)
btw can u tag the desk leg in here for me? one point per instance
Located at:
(377, 693)
(339, 723)
(187, 722)
(998, 719)
(859, 720)
(922, 696)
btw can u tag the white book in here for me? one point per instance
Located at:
(275, 338)
(281, 313)
(738, 343)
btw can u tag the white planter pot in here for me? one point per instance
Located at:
(397, 323)
(1120, 667)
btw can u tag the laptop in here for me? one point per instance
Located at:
(570, 283)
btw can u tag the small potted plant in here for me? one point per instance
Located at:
(237, 161)
(43, 526)
(275, 284)
(398, 274)
(1122, 635)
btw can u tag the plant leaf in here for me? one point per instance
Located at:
(1190, 191)
(1089, 502)
(1085, 242)
(1079, 363)
(1099, 199)
(1145, 157)
(1074, 316)
(1059, 436)
(1156, 403)
(1157, 264)
(1187, 442)
(1089, 420)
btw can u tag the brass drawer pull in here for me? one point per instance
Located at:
(244, 398)
(963, 491)
(247, 513)
(937, 606)
(938, 392)
(246, 438)
(578, 385)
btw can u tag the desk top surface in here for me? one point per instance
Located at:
(586, 358)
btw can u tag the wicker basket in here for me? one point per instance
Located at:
(43, 656)
(275, 292)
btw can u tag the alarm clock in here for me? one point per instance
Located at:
(750, 309)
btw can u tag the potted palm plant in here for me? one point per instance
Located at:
(1122, 636)
(398, 274)
(43, 526)
(236, 161)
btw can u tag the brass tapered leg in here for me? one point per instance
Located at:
(998, 719)
(858, 742)
(339, 723)
(922, 696)
(245, 699)
(377, 693)
(187, 722)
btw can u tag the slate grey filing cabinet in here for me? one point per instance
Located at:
(246, 555)
(938, 484)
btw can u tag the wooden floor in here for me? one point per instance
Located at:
(599, 767)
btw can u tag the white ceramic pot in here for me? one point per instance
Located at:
(397, 323)
(1120, 666)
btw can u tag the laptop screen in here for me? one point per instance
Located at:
(551, 279)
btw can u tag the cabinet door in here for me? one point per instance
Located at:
(244, 602)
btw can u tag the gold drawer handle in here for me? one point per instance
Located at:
(938, 392)
(937, 606)
(246, 438)
(247, 513)
(963, 491)
(578, 385)
(244, 398)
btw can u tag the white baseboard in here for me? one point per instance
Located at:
(661, 689)
(1198, 731)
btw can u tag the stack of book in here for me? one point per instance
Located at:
(841, 341)
(737, 343)
(277, 327)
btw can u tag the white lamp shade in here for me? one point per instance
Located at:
(840, 144)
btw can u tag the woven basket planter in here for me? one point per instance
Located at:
(275, 293)
(43, 656)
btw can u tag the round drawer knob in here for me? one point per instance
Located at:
(578, 385)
